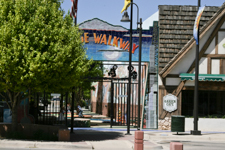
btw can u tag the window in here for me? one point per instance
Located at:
(211, 103)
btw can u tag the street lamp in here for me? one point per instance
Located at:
(125, 18)
(195, 113)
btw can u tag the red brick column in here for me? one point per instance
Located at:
(138, 141)
(176, 146)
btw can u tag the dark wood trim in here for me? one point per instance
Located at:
(177, 91)
(173, 76)
(204, 48)
(171, 88)
(221, 29)
(216, 43)
(164, 81)
(211, 86)
(214, 55)
(162, 87)
(209, 65)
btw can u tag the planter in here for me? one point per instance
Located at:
(205, 124)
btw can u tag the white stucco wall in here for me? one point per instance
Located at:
(159, 80)
(172, 81)
(215, 67)
(203, 65)
(183, 65)
(223, 26)
(211, 48)
(190, 83)
(221, 41)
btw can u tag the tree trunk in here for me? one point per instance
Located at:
(14, 118)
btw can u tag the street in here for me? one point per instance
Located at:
(194, 145)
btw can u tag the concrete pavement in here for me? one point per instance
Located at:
(113, 138)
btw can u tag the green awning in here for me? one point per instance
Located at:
(203, 77)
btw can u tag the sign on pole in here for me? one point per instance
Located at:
(170, 103)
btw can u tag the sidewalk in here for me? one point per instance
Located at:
(102, 138)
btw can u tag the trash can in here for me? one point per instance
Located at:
(177, 123)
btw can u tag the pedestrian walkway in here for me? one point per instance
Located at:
(106, 138)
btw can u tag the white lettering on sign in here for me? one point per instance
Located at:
(170, 103)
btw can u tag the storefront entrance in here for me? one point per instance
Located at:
(211, 103)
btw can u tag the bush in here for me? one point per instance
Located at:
(41, 135)
(15, 135)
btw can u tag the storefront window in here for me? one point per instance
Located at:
(211, 104)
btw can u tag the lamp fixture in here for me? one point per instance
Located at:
(125, 17)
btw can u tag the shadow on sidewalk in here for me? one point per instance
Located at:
(90, 135)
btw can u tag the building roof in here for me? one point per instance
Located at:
(98, 24)
(187, 46)
(176, 25)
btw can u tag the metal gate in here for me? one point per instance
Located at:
(119, 100)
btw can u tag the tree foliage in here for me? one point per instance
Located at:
(40, 49)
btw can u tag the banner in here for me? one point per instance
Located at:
(197, 21)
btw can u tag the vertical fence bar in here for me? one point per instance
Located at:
(119, 100)
(72, 108)
(116, 96)
(112, 94)
(132, 103)
(121, 103)
(66, 106)
(44, 110)
(37, 99)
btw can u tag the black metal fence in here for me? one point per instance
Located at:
(120, 104)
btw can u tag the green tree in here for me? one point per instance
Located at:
(40, 49)
(82, 89)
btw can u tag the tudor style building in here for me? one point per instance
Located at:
(177, 61)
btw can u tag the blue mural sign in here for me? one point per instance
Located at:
(110, 45)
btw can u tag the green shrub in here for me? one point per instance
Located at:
(41, 135)
(15, 135)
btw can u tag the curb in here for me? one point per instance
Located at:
(184, 137)
(46, 145)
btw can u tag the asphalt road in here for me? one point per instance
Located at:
(194, 145)
(35, 149)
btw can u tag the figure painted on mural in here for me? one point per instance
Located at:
(80, 111)
(61, 114)
(68, 107)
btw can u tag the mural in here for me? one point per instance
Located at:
(114, 45)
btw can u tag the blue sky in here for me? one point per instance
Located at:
(109, 10)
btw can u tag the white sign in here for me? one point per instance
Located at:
(170, 103)
(122, 96)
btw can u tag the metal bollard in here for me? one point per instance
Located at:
(176, 146)
(138, 140)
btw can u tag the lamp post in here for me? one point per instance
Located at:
(125, 18)
(196, 131)
(74, 14)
